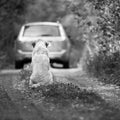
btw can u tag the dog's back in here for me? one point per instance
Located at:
(40, 65)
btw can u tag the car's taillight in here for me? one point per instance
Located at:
(58, 45)
(18, 44)
(65, 44)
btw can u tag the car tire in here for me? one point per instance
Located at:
(66, 64)
(19, 64)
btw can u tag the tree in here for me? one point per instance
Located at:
(46, 10)
(11, 13)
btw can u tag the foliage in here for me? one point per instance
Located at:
(10, 14)
(46, 10)
(86, 18)
(109, 24)
(98, 24)
(106, 68)
(105, 64)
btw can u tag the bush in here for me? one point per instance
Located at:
(106, 68)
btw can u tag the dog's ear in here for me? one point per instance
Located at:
(33, 44)
(46, 44)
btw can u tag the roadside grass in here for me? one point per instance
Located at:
(8, 110)
(67, 101)
(106, 68)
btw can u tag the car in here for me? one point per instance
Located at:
(52, 32)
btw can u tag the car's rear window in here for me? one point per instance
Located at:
(41, 30)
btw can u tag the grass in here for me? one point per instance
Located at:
(106, 68)
(8, 110)
(66, 101)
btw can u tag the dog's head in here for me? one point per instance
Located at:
(43, 42)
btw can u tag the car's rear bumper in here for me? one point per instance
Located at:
(54, 55)
(62, 55)
(22, 55)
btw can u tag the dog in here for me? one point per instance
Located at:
(41, 74)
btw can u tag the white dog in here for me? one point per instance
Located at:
(41, 74)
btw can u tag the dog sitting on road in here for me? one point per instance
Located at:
(41, 74)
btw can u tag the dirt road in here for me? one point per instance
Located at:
(26, 109)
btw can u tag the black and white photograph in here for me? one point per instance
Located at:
(59, 60)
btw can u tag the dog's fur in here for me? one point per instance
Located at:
(41, 74)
